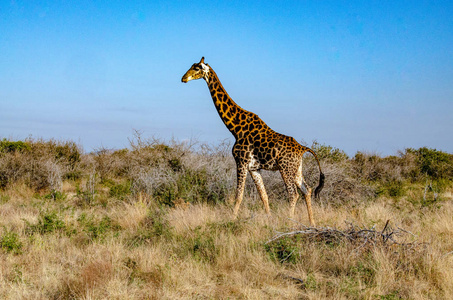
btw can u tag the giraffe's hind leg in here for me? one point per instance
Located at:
(261, 189)
(291, 187)
(307, 198)
(293, 197)
(306, 192)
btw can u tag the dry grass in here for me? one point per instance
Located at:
(198, 252)
(155, 222)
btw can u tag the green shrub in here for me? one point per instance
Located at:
(434, 163)
(440, 185)
(369, 167)
(190, 185)
(326, 152)
(310, 282)
(232, 227)
(7, 146)
(10, 242)
(175, 164)
(391, 188)
(56, 195)
(363, 271)
(68, 151)
(4, 198)
(202, 246)
(157, 223)
(97, 230)
(47, 223)
(121, 191)
(155, 226)
(285, 250)
(16, 273)
(3, 179)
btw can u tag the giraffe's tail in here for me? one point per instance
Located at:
(321, 175)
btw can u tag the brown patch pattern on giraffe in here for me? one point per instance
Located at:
(257, 146)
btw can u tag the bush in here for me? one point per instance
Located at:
(433, 163)
(7, 146)
(56, 195)
(39, 164)
(326, 152)
(369, 167)
(285, 250)
(47, 223)
(67, 153)
(97, 229)
(203, 247)
(154, 226)
(10, 242)
(392, 189)
(121, 191)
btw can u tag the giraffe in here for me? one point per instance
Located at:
(258, 147)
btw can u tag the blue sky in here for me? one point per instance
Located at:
(373, 76)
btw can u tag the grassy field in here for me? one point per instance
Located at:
(154, 221)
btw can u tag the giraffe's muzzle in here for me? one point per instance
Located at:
(186, 77)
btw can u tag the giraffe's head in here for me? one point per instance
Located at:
(197, 71)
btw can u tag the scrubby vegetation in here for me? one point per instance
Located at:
(154, 221)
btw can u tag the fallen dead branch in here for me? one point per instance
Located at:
(360, 238)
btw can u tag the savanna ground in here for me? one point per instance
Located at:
(154, 221)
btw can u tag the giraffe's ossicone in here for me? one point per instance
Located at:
(257, 146)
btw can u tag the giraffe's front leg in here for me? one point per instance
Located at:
(261, 189)
(241, 177)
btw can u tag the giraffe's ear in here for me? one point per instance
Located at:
(202, 60)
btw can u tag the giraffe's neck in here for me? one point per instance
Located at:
(230, 113)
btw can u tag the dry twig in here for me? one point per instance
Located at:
(360, 238)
